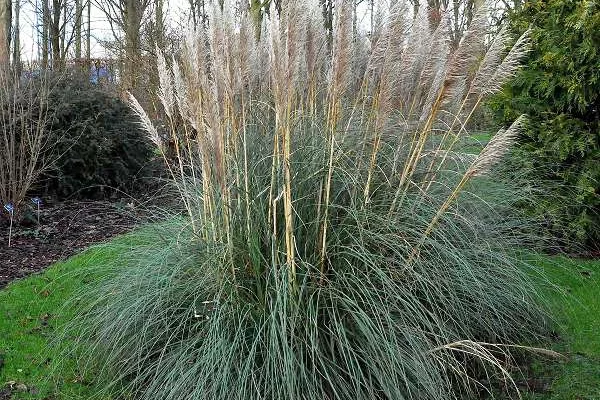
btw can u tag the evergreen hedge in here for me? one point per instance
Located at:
(560, 91)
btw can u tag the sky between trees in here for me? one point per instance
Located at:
(176, 13)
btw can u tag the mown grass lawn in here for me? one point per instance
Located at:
(578, 315)
(32, 311)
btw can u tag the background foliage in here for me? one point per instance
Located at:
(560, 91)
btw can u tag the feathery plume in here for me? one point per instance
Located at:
(511, 64)
(342, 49)
(497, 147)
(419, 61)
(472, 44)
(180, 92)
(145, 122)
(314, 158)
(492, 59)
(165, 91)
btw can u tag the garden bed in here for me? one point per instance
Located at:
(64, 229)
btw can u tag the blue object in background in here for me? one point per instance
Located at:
(98, 73)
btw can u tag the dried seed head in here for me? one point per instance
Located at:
(165, 91)
(496, 148)
(144, 121)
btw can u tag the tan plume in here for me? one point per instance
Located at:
(497, 147)
(144, 121)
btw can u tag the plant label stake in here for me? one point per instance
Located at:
(11, 210)
(38, 202)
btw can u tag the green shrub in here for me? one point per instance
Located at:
(339, 242)
(101, 145)
(560, 92)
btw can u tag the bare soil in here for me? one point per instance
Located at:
(64, 229)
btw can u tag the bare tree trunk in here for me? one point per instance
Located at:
(45, 34)
(416, 4)
(17, 39)
(55, 33)
(199, 13)
(63, 33)
(159, 32)
(469, 9)
(354, 19)
(88, 37)
(78, 20)
(5, 27)
(455, 33)
(256, 12)
(132, 23)
(372, 8)
(202, 12)
(192, 5)
(125, 19)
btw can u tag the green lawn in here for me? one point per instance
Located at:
(31, 311)
(578, 316)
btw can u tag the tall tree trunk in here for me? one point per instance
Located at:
(200, 4)
(133, 20)
(45, 33)
(55, 34)
(88, 36)
(327, 6)
(256, 12)
(63, 33)
(17, 39)
(5, 27)
(372, 12)
(198, 12)
(455, 33)
(192, 5)
(416, 5)
(354, 19)
(159, 31)
(78, 21)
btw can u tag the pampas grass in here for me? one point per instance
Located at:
(339, 242)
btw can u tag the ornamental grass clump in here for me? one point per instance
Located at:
(339, 241)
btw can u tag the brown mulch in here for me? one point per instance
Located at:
(65, 229)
